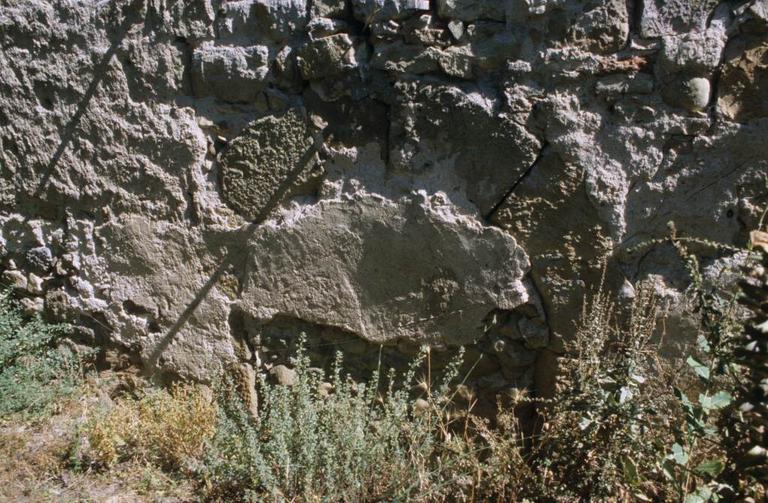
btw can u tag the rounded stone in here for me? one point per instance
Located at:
(695, 93)
(264, 161)
(685, 91)
(283, 375)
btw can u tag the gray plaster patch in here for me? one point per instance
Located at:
(384, 270)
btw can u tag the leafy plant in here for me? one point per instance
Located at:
(35, 370)
(339, 440)
(698, 457)
(600, 436)
(748, 437)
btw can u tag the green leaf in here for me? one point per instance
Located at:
(703, 344)
(630, 470)
(684, 400)
(625, 394)
(668, 469)
(711, 467)
(717, 401)
(722, 399)
(679, 454)
(699, 368)
(702, 494)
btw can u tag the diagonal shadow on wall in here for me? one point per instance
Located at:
(236, 256)
(132, 10)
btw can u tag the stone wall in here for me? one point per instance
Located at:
(193, 183)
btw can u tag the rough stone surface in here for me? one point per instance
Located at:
(234, 74)
(604, 28)
(364, 265)
(377, 10)
(196, 183)
(744, 80)
(256, 165)
(471, 10)
(327, 57)
(665, 17)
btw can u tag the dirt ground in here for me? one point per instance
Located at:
(39, 461)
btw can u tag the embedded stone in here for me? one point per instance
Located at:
(471, 10)
(438, 127)
(402, 58)
(369, 11)
(743, 84)
(15, 279)
(330, 8)
(694, 53)
(231, 73)
(320, 27)
(669, 17)
(283, 375)
(691, 93)
(424, 30)
(364, 265)
(34, 284)
(602, 29)
(39, 259)
(280, 19)
(327, 57)
(32, 306)
(619, 84)
(268, 158)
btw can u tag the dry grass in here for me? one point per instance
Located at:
(621, 429)
(40, 462)
(165, 428)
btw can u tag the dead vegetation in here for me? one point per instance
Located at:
(625, 426)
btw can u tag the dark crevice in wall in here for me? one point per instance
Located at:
(636, 17)
(188, 85)
(190, 212)
(387, 140)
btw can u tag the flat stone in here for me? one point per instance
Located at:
(620, 84)
(364, 265)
